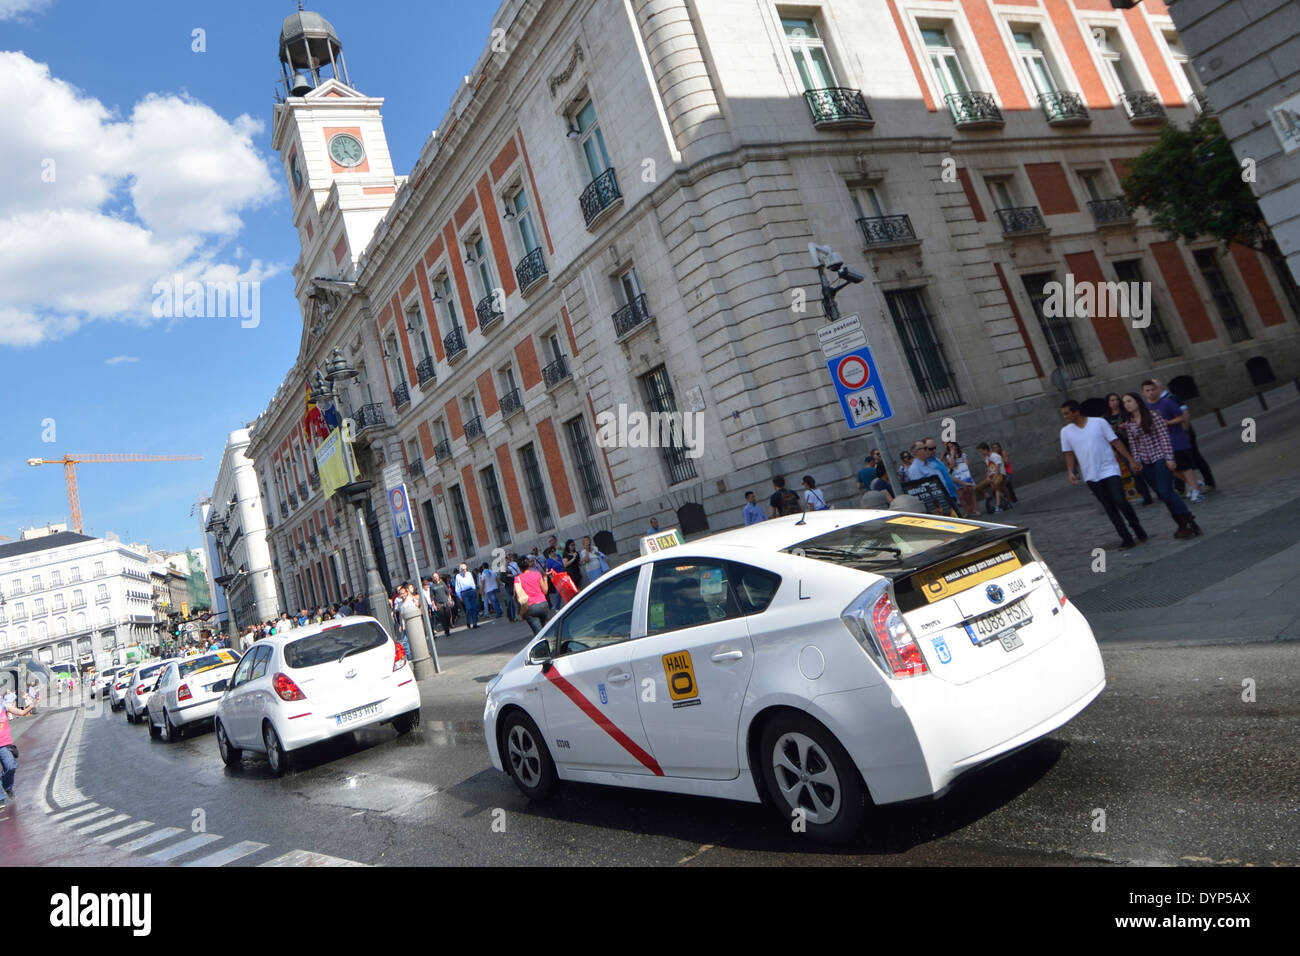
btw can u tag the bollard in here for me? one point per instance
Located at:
(1262, 404)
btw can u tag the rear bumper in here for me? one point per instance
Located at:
(191, 713)
(297, 732)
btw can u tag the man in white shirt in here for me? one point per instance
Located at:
(467, 591)
(1090, 444)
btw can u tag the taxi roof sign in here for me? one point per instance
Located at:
(654, 543)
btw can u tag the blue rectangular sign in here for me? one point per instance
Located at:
(860, 390)
(401, 508)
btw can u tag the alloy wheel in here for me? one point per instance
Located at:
(525, 761)
(806, 777)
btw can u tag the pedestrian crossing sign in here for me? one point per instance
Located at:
(860, 390)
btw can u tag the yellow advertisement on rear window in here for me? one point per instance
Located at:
(933, 524)
(953, 577)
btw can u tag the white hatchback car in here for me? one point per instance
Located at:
(807, 662)
(138, 691)
(312, 683)
(188, 691)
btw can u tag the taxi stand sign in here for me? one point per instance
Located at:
(654, 543)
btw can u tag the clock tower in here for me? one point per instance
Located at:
(330, 138)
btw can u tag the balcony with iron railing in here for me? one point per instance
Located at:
(425, 371)
(304, 492)
(556, 372)
(1110, 212)
(401, 395)
(75, 579)
(1021, 221)
(631, 317)
(881, 231)
(442, 450)
(103, 598)
(837, 107)
(600, 196)
(974, 110)
(19, 618)
(17, 591)
(416, 468)
(1143, 106)
(371, 416)
(454, 343)
(314, 480)
(40, 612)
(1063, 108)
(284, 510)
(511, 402)
(293, 500)
(78, 603)
(530, 271)
(474, 428)
(487, 310)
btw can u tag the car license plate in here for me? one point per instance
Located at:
(1001, 624)
(360, 713)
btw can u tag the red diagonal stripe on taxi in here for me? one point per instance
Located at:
(607, 725)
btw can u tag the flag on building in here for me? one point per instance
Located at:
(313, 422)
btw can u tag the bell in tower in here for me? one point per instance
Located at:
(310, 52)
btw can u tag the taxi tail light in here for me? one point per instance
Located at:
(1051, 578)
(399, 656)
(183, 692)
(879, 627)
(140, 689)
(286, 689)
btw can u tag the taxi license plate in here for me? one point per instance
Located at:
(360, 713)
(1000, 625)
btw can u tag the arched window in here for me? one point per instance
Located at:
(42, 631)
(62, 625)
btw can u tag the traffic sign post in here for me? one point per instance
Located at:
(400, 505)
(852, 368)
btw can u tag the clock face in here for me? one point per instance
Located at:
(346, 150)
(296, 171)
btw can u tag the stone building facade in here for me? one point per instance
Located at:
(615, 214)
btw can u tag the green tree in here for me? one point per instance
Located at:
(1193, 186)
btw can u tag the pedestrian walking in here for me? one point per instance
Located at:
(752, 513)
(440, 602)
(1087, 444)
(592, 559)
(399, 619)
(1198, 462)
(552, 565)
(994, 483)
(530, 592)
(783, 501)
(1116, 418)
(1175, 417)
(506, 587)
(8, 751)
(1008, 485)
(653, 529)
(467, 592)
(814, 499)
(959, 467)
(487, 579)
(1149, 440)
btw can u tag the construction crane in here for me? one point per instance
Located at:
(70, 463)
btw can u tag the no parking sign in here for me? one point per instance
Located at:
(401, 509)
(862, 394)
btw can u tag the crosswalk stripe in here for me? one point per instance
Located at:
(149, 839)
(124, 831)
(228, 855)
(185, 846)
(110, 822)
(305, 858)
(87, 817)
(73, 812)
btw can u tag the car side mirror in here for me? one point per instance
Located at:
(539, 653)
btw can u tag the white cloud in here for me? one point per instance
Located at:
(14, 9)
(121, 359)
(100, 208)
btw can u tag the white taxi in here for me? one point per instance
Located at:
(142, 682)
(188, 691)
(813, 662)
(312, 683)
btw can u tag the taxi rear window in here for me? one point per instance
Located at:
(334, 644)
(886, 542)
(196, 665)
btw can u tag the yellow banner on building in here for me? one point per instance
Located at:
(337, 465)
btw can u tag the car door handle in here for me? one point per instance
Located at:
(727, 656)
(619, 678)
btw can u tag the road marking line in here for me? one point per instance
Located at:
(185, 846)
(306, 858)
(110, 822)
(65, 778)
(124, 831)
(49, 768)
(228, 855)
(73, 812)
(87, 817)
(704, 848)
(149, 839)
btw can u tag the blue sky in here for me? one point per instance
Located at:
(135, 120)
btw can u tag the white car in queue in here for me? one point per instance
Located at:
(138, 691)
(311, 684)
(807, 663)
(188, 691)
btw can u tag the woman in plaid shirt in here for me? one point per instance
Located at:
(1148, 438)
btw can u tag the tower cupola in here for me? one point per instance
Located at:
(310, 53)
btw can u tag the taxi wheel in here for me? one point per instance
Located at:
(231, 756)
(154, 730)
(275, 752)
(812, 781)
(526, 757)
(405, 723)
(168, 729)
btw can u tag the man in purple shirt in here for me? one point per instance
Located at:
(1176, 418)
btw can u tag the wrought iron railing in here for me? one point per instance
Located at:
(599, 195)
(78, 604)
(314, 480)
(1064, 108)
(838, 106)
(371, 416)
(1021, 219)
(474, 428)
(882, 230)
(487, 310)
(425, 371)
(1143, 106)
(974, 109)
(416, 468)
(284, 510)
(401, 395)
(454, 343)
(511, 402)
(631, 316)
(1107, 211)
(103, 598)
(293, 500)
(303, 491)
(442, 450)
(531, 269)
(556, 372)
